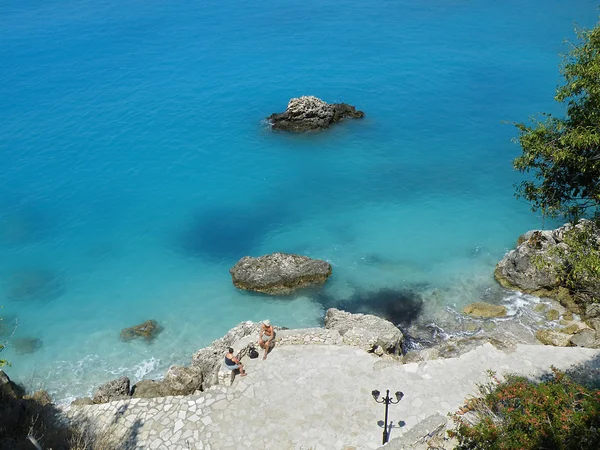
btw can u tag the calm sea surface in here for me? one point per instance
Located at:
(136, 168)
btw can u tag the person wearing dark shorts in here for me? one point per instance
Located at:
(233, 363)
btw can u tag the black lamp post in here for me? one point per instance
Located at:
(387, 400)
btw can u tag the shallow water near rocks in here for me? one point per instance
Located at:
(136, 167)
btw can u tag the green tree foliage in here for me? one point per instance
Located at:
(579, 270)
(563, 154)
(521, 414)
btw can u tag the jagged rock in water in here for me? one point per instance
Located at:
(279, 273)
(365, 331)
(485, 310)
(147, 330)
(113, 390)
(310, 113)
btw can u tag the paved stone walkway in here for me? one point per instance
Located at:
(318, 397)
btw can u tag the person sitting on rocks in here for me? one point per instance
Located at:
(233, 363)
(267, 334)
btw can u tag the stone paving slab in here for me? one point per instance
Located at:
(317, 397)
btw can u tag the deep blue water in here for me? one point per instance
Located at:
(135, 166)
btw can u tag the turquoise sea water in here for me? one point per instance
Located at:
(136, 168)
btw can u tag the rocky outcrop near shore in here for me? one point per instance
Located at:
(371, 333)
(310, 113)
(279, 273)
(532, 268)
(208, 360)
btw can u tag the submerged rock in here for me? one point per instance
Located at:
(365, 331)
(310, 113)
(279, 273)
(26, 345)
(400, 306)
(147, 330)
(34, 284)
(113, 390)
(485, 310)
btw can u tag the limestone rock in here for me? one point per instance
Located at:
(279, 273)
(531, 266)
(486, 310)
(595, 324)
(556, 338)
(148, 389)
(82, 401)
(310, 113)
(208, 359)
(113, 390)
(553, 314)
(519, 270)
(571, 329)
(592, 310)
(147, 330)
(365, 331)
(585, 338)
(181, 380)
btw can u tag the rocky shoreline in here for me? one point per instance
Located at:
(560, 322)
(279, 273)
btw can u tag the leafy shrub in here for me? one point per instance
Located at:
(580, 268)
(518, 413)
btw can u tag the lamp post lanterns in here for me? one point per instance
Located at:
(387, 400)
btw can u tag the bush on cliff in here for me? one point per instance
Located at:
(563, 154)
(579, 270)
(556, 413)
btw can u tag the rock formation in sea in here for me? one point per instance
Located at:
(279, 273)
(147, 331)
(310, 113)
